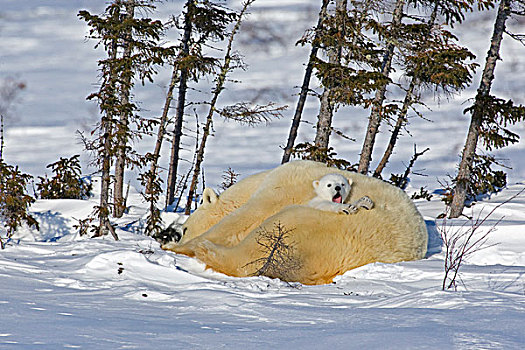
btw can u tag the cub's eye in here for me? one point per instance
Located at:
(329, 185)
(343, 185)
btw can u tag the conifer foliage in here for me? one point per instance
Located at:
(206, 22)
(356, 48)
(67, 181)
(14, 201)
(362, 44)
(432, 60)
(229, 60)
(133, 51)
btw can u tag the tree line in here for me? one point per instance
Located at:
(355, 47)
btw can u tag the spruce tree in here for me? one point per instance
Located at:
(490, 116)
(125, 115)
(334, 53)
(219, 87)
(133, 51)
(432, 59)
(153, 173)
(183, 69)
(104, 28)
(204, 22)
(14, 201)
(349, 71)
(390, 35)
(67, 181)
(240, 112)
(371, 48)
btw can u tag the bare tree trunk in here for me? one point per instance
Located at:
(181, 102)
(304, 88)
(105, 180)
(103, 210)
(469, 151)
(105, 157)
(400, 122)
(375, 116)
(122, 129)
(1, 136)
(324, 121)
(199, 159)
(162, 130)
(209, 118)
(326, 110)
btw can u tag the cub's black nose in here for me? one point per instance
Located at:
(338, 188)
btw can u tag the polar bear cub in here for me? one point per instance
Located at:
(332, 191)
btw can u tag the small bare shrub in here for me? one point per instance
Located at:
(85, 226)
(460, 243)
(229, 178)
(279, 259)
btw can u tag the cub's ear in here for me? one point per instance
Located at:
(315, 183)
(209, 196)
(350, 181)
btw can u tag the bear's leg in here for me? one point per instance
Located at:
(237, 261)
(187, 248)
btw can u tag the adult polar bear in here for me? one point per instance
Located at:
(223, 232)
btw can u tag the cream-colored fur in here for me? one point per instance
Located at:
(214, 207)
(325, 243)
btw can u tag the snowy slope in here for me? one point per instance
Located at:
(60, 290)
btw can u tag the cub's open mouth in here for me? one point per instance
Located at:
(337, 198)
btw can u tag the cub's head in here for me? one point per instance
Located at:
(333, 187)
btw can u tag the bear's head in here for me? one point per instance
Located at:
(333, 187)
(209, 212)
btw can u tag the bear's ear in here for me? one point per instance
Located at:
(209, 196)
(350, 181)
(315, 183)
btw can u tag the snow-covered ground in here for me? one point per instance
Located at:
(60, 290)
